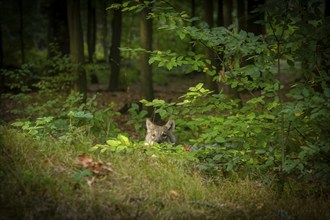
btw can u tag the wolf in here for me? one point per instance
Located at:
(160, 134)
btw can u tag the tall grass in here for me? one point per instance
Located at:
(39, 181)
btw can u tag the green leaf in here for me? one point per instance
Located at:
(124, 139)
(18, 124)
(113, 143)
(121, 148)
(181, 34)
(290, 62)
(220, 139)
(151, 60)
(305, 92)
(94, 148)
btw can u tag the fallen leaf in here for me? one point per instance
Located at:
(84, 160)
(174, 194)
(187, 147)
(96, 167)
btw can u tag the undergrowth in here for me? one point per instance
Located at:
(41, 180)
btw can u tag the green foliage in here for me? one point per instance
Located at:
(18, 79)
(266, 133)
(119, 144)
(33, 128)
(56, 112)
(226, 137)
(71, 120)
(123, 146)
(137, 118)
(307, 138)
(56, 73)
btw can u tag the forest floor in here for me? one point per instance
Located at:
(52, 179)
(62, 179)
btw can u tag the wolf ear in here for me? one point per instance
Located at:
(170, 125)
(149, 124)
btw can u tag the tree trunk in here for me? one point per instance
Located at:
(210, 84)
(242, 14)
(193, 10)
(104, 21)
(220, 13)
(227, 12)
(2, 77)
(76, 46)
(91, 29)
(1, 45)
(21, 30)
(58, 32)
(114, 49)
(146, 43)
(327, 9)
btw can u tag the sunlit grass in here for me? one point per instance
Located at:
(38, 181)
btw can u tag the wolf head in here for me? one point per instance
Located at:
(160, 134)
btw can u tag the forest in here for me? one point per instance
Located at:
(146, 109)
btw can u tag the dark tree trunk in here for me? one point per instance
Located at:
(91, 29)
(220, 13)
(76, 46)
(327, 8)
(58, 32)
(21, 30)
(146, 43)
(227, 12)
(257, 29)
(242, 14)
(1, 45)
(2, 77)
(114, 49)
(193, 10)
(104, 21)
(210, 84)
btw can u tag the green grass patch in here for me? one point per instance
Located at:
(41, 180)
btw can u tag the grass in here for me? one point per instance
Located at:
(39, 181)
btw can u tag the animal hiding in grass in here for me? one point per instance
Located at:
(160, 134)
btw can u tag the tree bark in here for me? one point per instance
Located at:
(104, 21)
(327, 9)
(21, 30)
(146, 43)
(91, 29)
(1, 45)
(2, 77)
(193, 10)
(220, 13)
(227, 12)
(76, 46)
(58, 32)
(242, 14)
(114, 49)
